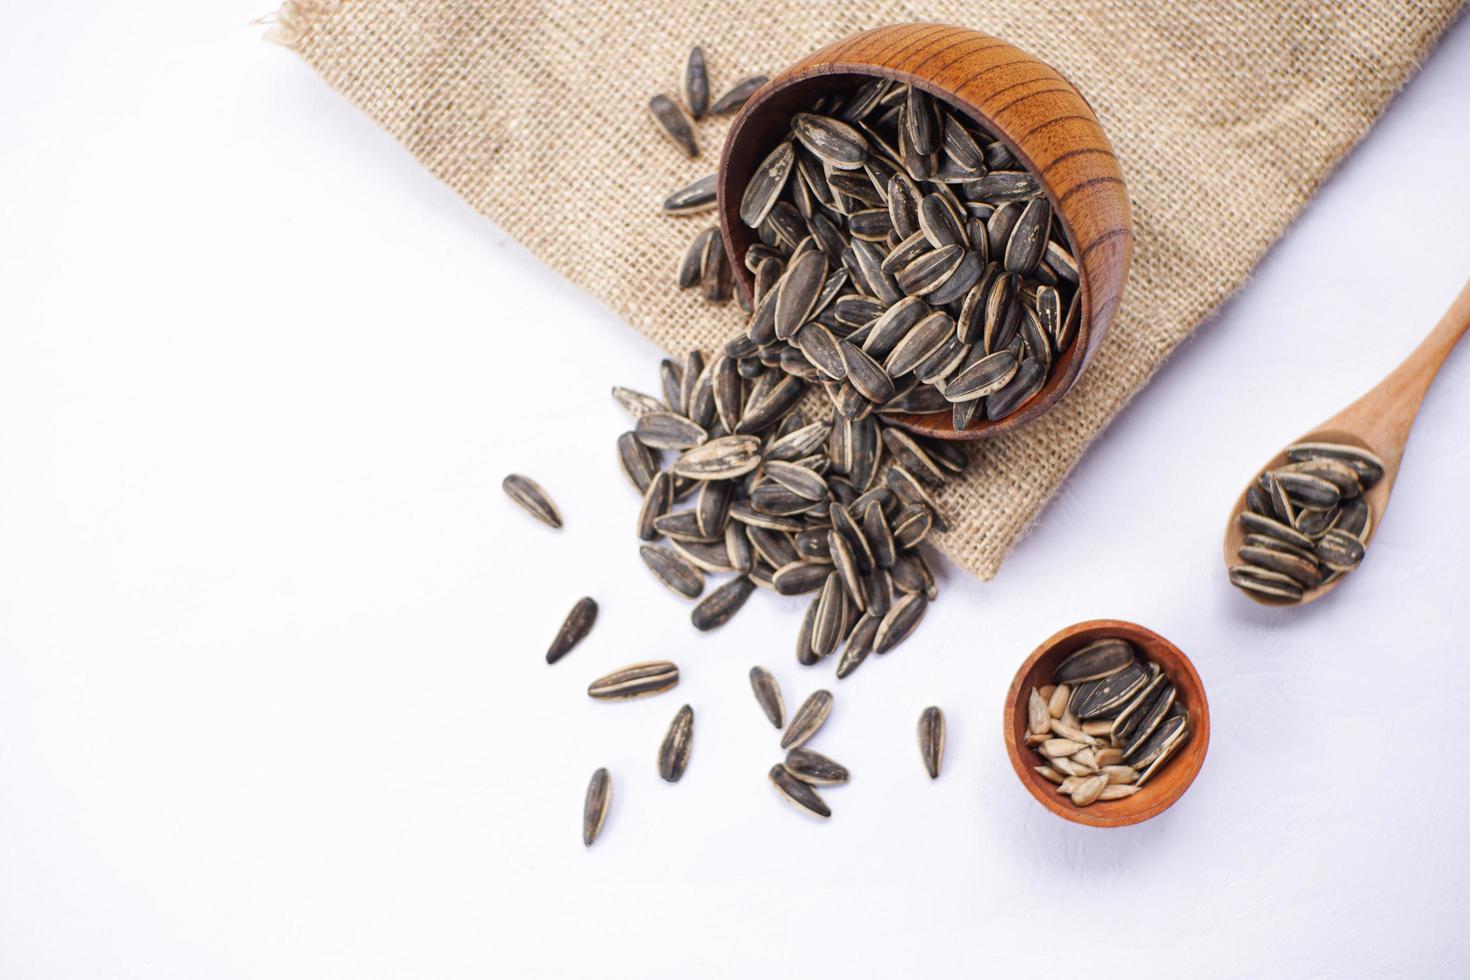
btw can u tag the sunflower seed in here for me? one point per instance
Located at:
(719, 459)
(831, 617)
(673, 754)
(939, 224)
(1003, 185)
(1259, 524)
(1367, 465)
(1028, 237)
(716, 608)
(1094, 661)
(808, 718)
(900, 622)
(678, 573)
(766, 184)
(1038, 715)
(666, 430)
(800, 577)
(1265, 582)
(834, 142)
(929, 271)
(798, 792)
(814, 768)
(674, 124)
(637, 462)
(1088, 790)
(859, 645)
(1338, 550)
(1304, 571)
(692, 199)
(635, 681)
(737, 95)
(696, 84)
(594, 809)
(931, 740)
(573, 630)
(657, 499)
(768, 695)
(926, 337)
(526, 492)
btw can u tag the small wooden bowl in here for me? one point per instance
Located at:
(1044, 121)
(1173, 779)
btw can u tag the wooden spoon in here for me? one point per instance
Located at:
(1379, 422)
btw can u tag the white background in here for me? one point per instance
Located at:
(272, 697)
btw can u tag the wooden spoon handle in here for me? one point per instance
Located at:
(1384, 415)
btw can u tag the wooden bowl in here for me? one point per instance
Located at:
(1047, 125)
(1173, 779)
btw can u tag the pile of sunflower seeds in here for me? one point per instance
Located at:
(803, 770)
(1306, 523)
(835, 509)
(907, 262)
(1106, 724)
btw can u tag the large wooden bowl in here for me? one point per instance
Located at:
(1041, 117)
(1160, 792)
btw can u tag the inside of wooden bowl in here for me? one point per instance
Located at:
(766, 121)
(1376, 497)
(1160, 792)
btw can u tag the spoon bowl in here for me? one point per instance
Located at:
(1041, 118)
(1379, 422)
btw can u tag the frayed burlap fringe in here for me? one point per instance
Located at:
(1226, 116)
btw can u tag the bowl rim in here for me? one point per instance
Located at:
(1079, 354)
(1103, 814)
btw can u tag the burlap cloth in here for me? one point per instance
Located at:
(1225, 114)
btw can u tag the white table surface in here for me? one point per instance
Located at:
(272, 698)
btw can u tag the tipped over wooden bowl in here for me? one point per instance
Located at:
(1044, 121)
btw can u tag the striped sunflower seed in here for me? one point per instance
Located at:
(766, 184)
(637, 461)
(638, 680)
(573, 630)
(526, 492)
(694, 198)
(673, 754)
(834, 142)
(678, 573)
(724, 458)
(696, 84)
(595, 807)
(798, 792)
(657, 499)
(814, 768)
(738, 95)
(716, 608)
(859, 645)
(931, 740)
(900, 622)
(674, 124)
(768, 695)
(808, 718)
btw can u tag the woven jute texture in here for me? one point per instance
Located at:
(1225, 114)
